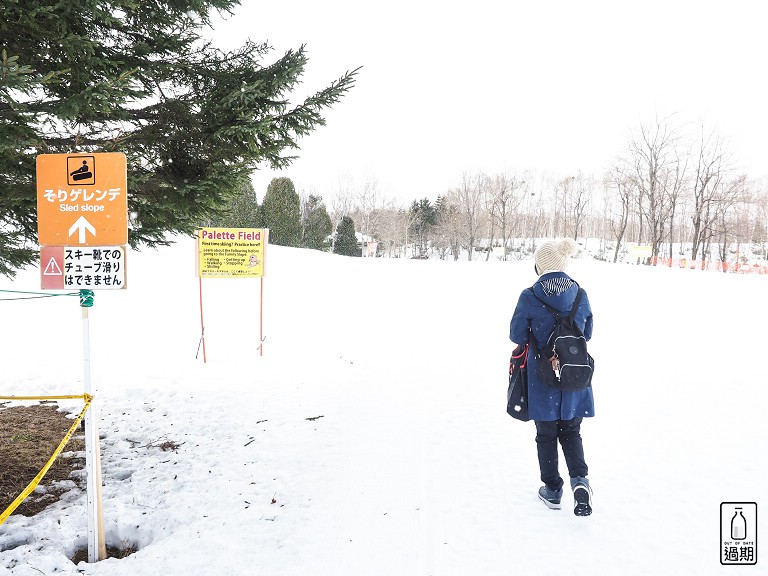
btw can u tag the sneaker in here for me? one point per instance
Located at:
(551, 497)
(582, 496)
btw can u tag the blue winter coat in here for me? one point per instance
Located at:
(559, 291)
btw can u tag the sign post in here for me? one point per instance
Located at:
(97, 546)
(82, 212)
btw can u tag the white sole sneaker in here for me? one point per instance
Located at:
(556, 505)
(582, 500)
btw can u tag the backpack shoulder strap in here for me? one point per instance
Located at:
(555, 313)
(575, 306)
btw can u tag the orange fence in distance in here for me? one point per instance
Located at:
(713, 265)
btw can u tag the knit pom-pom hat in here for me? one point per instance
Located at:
(553, 255)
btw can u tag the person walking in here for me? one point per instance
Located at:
(557, 413)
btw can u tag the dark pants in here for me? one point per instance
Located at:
(547, 435)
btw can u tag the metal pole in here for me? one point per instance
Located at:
(202, 323)
(97, 549)
(261, 318)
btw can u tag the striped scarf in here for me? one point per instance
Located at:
(556, 286)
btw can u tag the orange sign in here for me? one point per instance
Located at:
(82, 199)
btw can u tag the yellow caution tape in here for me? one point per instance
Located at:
(70, 397)
(36, 480)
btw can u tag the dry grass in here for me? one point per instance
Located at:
(28, 437)
(169, 445)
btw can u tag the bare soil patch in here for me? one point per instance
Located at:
(123, 551)
(28, 437)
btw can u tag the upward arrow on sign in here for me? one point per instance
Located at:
(80, 226)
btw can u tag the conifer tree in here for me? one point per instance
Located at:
(242, 210)
(346, 241)
(423, 218)
(281, 213)
(138, 78)
(317, 224)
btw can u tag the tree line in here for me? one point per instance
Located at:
(195, 122)
(665, 190)
(292, 221)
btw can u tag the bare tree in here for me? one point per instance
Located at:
(392, 225)
(560, 197)
(489, 216)
(734, 193)
(658, 173)
(711, 169)
(761, 226)
(469, 198)
(675, 180)
(578, 192)
(507, 192)
(447, 230)
(617, 179)
(366, 205)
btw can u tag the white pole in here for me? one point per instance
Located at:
(97, 549)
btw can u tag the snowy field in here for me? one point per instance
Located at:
(371, 438)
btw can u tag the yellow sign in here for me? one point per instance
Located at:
(640, 251)
(82, 199)
(231, 252)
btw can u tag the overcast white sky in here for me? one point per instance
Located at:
(452, 87)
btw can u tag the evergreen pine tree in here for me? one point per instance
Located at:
(346, 241)
(138, 78)
(423, 218)
(282, 213)
(317, 224)
(242, 210)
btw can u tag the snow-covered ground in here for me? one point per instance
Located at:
(372, 439)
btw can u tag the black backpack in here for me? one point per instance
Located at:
(564, 362)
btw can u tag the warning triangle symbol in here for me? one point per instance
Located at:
(52, 269)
